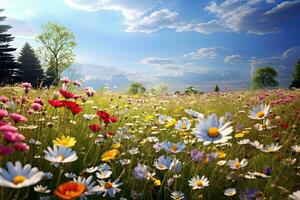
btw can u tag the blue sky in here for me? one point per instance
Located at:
(177, 42)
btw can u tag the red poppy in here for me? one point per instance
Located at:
(55, 103)
(113, 119)
(70, 104)
(95, 127)
(76, 110)
(66, 94)
(104, 116)
(284, 125)
(110, 133)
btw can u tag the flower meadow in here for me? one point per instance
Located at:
(71, 142)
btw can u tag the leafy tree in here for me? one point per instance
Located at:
(161, 88)
(9, 72)
(296, 76)
(190, 90)
(264, 78)
(57, 50)
(217, 88)
(32, 71)
(136, 88)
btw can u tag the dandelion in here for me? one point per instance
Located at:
(236, 164)
(198, 183)
(259, 112)
(213, 130)
(17, 176)
(66, 141)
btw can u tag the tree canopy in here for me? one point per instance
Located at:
(57, 48)
(296, 76)
(264, 78)
(136, 88)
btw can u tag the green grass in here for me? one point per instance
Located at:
(52, 123)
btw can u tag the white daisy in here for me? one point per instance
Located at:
(41, 189)
(198, 183)
(243, 141)
(236, 164)
(230, 192)
(17, 176)
(271, 148)
(60, 155)
(177, 195)
(183, 125)
(296, 148)
(295, 195)
(163, 119)
(91, 170)
(256, 145)
(194, 113)
(89, 184)
(108, 187)
(259, 112)
(212, 130)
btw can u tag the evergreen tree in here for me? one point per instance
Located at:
(296, 76)
(217, 88)
(8, 67)
(32, 71)
(50, 77)
(264, 78)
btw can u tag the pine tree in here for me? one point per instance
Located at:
(8, 67)
(217, 88)
(32, 71)
(50, 77)
(296, 76)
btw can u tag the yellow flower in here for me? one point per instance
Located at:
(239, 135)
(171, 123)
(147, 118)
(143, 142)
(116, 146)
(221, 154)
(156, 181)
(109, 155)
(65, 141)
(245, 132)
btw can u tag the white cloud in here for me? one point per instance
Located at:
(284, 6)
(21, 29)
(204, 53)
(233, 59)
(291, 51)
(155, 21)
(157, 61)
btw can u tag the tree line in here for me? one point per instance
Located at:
(42, 67)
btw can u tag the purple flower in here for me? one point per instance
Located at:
(140, 171)
(251, 194)
(196, 155)
(267, 171)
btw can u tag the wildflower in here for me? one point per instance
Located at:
(13, 137)
(271, 148)
(212, 130)
(66, 141)
(183, 125)
(133, 151)
(17, 176)
(259, 112)
(163, 119)
(251, 194)
(256, 145)
(198, 183)
(267, 171)
(60, 155)
(221, 154)
(173, 148)
(116, 145)
(3, 113)
(108, 187)
(66, 94)
(41, 189)
(19, 146)
(296, 148)
(36, 106)
(18, 118)
(89, 184)
(236, 164)
(88, 117)
(56, 103)
(163, 163)
(70, 175)
(295, 195)
(244, 141)
(177, 195)
(6, 150)
(196, 155)
(91, 169)
(194, 114)
(141, 171)
(109, 155)
(230, 192)
(70, 190)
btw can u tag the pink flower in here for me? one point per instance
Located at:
(8, 127)
(77, 83)
(90, 92)
(36, 106)
(18, 118)
(3, 113)
(26, 85)
(6, 150)
(30, 111)
(3, 99)
(38, 100)
(13, 137)
(65, 80)
(19, 146)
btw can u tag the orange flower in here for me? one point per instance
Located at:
(70, 190)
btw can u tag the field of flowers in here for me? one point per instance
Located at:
(74, 143)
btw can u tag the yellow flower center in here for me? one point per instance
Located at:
(213, 132)
(18, 179)
(183, 126)
(260, 114)
(64, 142)
(62, 157)
(108, 185)
(237, 164)
(174, 147)
(161, 166)
(198, 183)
